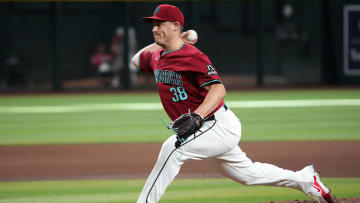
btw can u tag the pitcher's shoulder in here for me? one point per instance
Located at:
(194, 51)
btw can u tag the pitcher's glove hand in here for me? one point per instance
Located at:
(186, 125)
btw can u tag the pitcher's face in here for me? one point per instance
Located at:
(163, 32)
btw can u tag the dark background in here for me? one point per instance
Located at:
(251, 43)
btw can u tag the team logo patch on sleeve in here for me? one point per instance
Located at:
(211, 70)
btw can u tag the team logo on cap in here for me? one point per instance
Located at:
(156, 10)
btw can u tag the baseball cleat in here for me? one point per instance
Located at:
(320, 192)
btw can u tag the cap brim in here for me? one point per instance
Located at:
(151, 19)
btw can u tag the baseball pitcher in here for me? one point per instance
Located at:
(192, 94)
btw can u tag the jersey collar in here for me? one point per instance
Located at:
(167, 52)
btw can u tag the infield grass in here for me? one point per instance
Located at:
(129, 126)
(182, 190)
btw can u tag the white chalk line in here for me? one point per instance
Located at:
(158, 106)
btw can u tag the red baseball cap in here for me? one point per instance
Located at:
(166, 12)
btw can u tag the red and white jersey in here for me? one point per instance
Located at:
(180, 76)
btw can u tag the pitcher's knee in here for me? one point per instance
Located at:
(167, 147)
(249, 182)
(169, 143)
(244, 179)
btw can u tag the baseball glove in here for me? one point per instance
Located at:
(186, 125)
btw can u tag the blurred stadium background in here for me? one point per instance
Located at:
(47, 141)
(49, 45)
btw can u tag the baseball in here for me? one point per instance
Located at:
(192, 35)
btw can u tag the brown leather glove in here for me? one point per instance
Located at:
(186, 125)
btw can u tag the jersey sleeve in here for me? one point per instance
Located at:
(207, 74)
(145, 61)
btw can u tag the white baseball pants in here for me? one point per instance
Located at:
(218, 140)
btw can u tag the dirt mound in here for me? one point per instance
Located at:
(345, 200)
(92, 161)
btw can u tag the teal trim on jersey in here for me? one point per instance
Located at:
(210, 82)
(167, 52)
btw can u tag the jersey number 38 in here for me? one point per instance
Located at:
(179, 93)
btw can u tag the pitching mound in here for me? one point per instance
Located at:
(347, 200)
(94, 161)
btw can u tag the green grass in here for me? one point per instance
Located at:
(125, 126)
(182, 190)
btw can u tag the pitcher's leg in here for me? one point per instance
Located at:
(202, 145)
(236, 165)
(166, 168)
